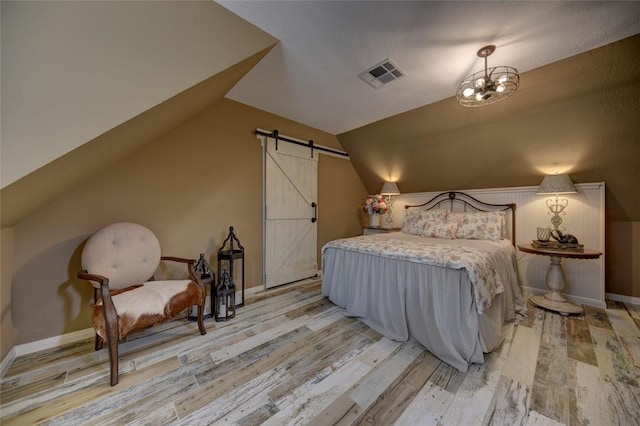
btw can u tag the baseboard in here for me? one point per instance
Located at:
(251, 291)
(263, 287)
(622, 298)
(7, 361)
(54, 341)
(575, 299)
(39, 345)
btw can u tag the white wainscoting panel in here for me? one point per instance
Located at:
(585, 279)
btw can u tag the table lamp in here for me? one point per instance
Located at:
(389, 189)
(556, 184)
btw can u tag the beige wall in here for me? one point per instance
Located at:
(188, 186)
(60, 57)
(635, 250)
(578, 115)
(623, 262)
(6, 320)
(339, 193)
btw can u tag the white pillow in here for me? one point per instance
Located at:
(416, 220)
(440, 230)
(478, 225)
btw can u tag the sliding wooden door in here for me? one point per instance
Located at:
(291, 195)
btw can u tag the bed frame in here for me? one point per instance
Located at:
(459, 201)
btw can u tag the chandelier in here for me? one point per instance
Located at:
(489, 85)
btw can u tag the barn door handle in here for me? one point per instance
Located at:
(315, 212)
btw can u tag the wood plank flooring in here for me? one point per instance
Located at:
(292, 357)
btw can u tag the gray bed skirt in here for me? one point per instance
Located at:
(431, 304)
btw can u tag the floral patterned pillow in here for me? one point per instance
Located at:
(478, 225)
(416, 220)
(440, 230)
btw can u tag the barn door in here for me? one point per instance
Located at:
(290, 194)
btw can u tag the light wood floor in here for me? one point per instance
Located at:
(291, 357)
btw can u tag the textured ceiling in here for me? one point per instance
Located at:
(311, 76)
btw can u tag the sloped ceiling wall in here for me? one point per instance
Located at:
(125, 71)
(44, 185)
(79, 69)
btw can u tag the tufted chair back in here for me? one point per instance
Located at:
(127, 253)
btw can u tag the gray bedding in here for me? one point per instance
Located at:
(434, 305)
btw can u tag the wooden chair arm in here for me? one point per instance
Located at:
(192, 271)
(178, 259)
(84, 275)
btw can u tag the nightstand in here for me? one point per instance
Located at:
(554, 300)
(367, 230)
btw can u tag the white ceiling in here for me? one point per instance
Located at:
(311, 75)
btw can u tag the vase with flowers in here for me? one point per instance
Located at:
(375, 205)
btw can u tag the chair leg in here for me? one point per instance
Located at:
(98, 342)
(112, 341)
(111, 325)
(201, 319)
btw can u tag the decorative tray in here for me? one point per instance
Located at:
(557, 245)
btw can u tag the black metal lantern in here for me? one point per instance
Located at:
(232, 259)
(225, 299)
(208, 279)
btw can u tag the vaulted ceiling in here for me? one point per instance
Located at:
(311, 76)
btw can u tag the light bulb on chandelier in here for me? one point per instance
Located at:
(489, 85)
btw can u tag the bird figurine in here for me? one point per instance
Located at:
(563, 238)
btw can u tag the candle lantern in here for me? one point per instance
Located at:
(225, 299)
(231, 258)
(208, 279)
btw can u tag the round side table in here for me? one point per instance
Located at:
(554, 300)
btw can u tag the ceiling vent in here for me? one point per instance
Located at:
(381, 74)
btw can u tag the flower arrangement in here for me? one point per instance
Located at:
(375, 204)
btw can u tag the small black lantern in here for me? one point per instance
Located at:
(225, 300)
(232, 259)
(208, 279)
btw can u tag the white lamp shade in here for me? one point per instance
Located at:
(389, 188)
(556, 184)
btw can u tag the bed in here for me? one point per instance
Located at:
(447, 281)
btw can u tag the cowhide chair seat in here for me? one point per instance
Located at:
(119, 261)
